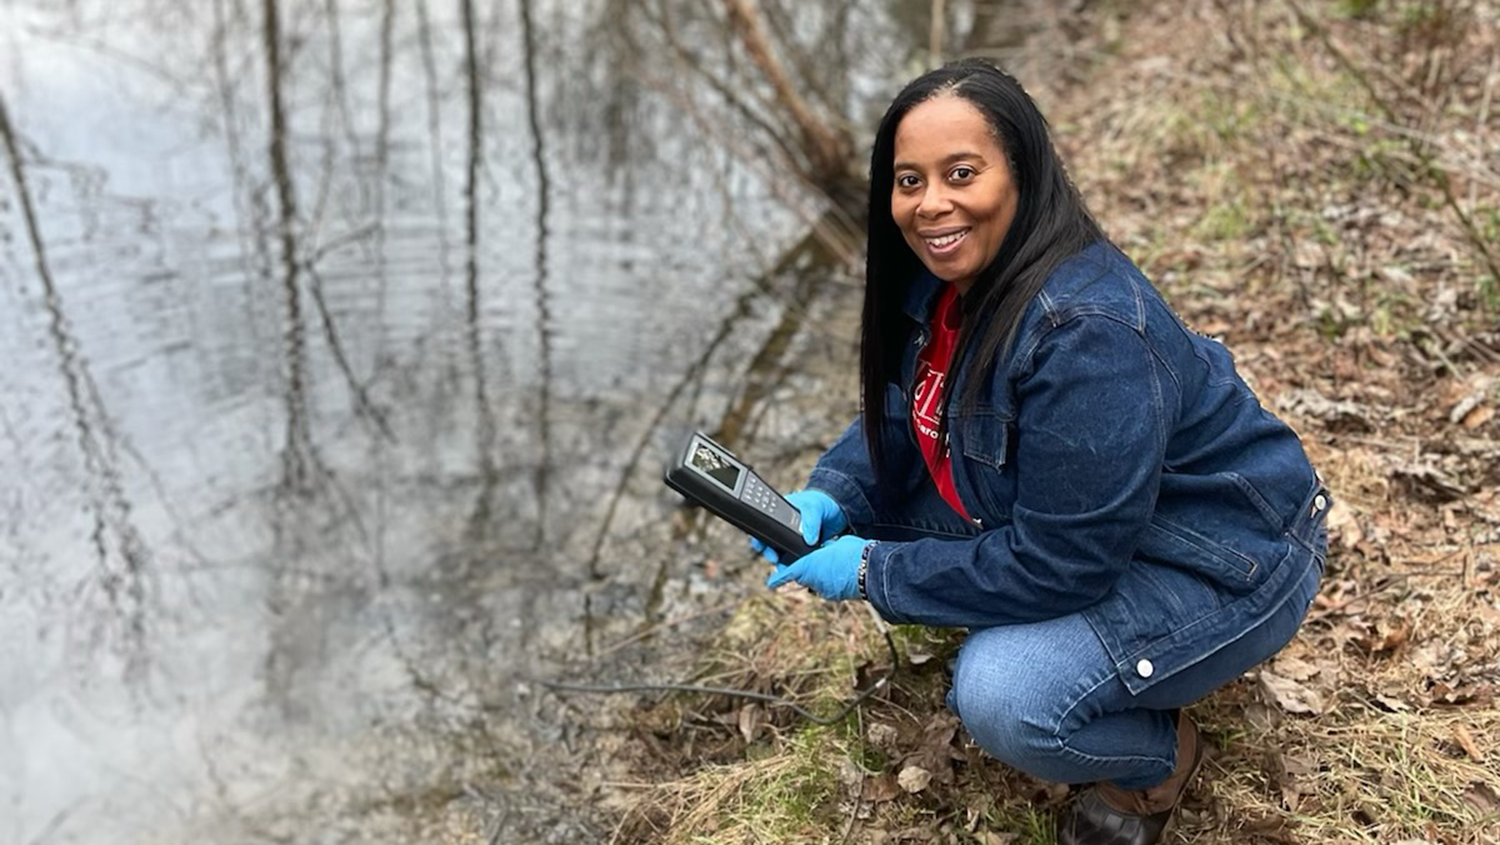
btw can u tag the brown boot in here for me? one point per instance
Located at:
(1108, 815)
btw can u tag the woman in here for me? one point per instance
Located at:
(1047, 457)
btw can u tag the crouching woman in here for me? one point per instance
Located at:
(1047, 457)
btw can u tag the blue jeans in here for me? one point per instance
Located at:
(1045, 698)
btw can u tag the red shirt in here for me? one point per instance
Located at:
(926, 409)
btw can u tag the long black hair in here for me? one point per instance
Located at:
(1051, 223)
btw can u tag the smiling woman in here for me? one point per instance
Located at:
(1118, 523)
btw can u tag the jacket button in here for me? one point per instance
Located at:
(1319, 502)
(1144, 668)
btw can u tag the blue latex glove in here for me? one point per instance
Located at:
(831, 570)
(822, 518)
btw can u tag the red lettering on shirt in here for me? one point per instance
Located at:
(926, 407)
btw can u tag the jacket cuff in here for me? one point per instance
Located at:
(845, 492)
(877, 582)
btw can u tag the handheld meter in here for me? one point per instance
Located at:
(712, 476)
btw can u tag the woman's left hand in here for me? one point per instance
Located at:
(831, 570)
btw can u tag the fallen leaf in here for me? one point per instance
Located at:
(850, 773)
(1343, 526)
(1260, 717)
(914, 779)
(1463, 407)
(883, 736)
(1466, 740)
(1461, 693)
(881, 789)
(751, 717)
(1295, 668)
(1290, 695)
(1388, 638)
(1483, 798)
(1478, 417)
(990, 837)
(1294, 775)
(917, 658)
(935, 752)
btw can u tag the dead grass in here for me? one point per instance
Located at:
(1316, 183)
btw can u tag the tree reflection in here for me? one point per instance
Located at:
(299, 456)
(543, 317)
(122, 557)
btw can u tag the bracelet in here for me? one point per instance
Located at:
(864, 568)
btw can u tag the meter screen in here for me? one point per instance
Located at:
(715, 466)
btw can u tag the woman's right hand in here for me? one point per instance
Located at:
(822, 520)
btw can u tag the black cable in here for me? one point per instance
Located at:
(731, 692)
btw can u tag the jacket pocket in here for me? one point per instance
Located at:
(1177, 545)
(985, 436)
(984, 441)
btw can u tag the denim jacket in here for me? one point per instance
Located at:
(1115, 465)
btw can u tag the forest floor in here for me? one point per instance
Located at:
(1318, 185)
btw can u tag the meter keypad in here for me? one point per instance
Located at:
(760, 495)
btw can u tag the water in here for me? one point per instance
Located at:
(343, 344)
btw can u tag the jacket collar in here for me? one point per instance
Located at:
(917, 300)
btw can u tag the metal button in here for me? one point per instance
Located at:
(1319, 502)
(1144, 668)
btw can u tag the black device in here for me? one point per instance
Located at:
(712, 476)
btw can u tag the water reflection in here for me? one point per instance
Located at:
(287, 510)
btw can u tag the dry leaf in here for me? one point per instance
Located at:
(850, 773)
(1260, 717)
(883, 736)
(990, 837)
(882, 788)
(917, 658)
(1466, 741)
(1343, 526)
(914, 779)
(1478, 417)
(1391, 640)
(1465, 406)
(1461, 693)
(1295, 668)
(751, 717)
(1483, 798)
(1290, 695)
(1294, 773)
